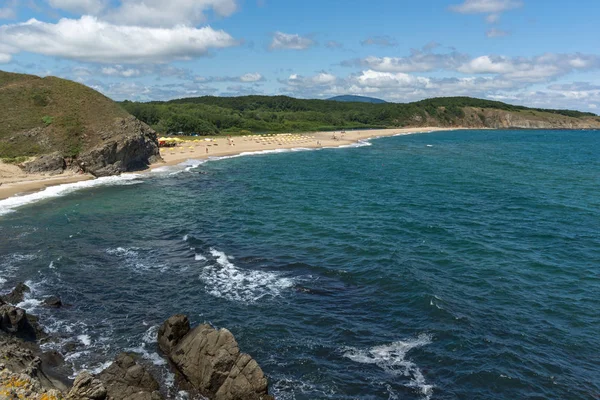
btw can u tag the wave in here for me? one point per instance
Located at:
(136, 258)
(392, 359)
(223, 279)
(12, 203)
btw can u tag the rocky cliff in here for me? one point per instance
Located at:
(60, 124)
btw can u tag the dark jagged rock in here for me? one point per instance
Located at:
(18, 294)
(172, 331)
(14, 320)
(53, 164)
(129, 146)
(127, 380)
(53, 301)
(211, 361)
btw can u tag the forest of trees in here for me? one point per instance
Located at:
(224, 115)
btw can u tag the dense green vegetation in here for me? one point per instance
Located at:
(213, 115)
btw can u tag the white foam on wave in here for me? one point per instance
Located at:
(149, 337)
(12, 203)
(392, 359)
(199, 257)
(136, 259)
(185, 238)
(85, 339)
(223, 279)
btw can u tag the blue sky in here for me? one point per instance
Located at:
(531, 52)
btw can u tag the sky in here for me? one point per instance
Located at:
(538, 53)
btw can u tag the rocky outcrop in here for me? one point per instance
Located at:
(211, 361)
(86, 387)
(17, 295)
(48, 163)
(125, 379)
(129, 146)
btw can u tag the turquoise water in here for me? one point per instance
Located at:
(450, 265)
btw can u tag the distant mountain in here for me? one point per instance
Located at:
(357, 99)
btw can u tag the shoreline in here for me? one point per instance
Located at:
(20, 183)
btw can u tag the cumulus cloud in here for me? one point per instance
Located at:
(383, 41)
(320, 80)
(119, 70)
(494, 33)
(281, 41)
(251, 77)
(531, 69)
(418, 61)
(89, 39)
(91, 7)
(160, 13)
(5, 58)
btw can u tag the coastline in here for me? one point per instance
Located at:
(14, 182)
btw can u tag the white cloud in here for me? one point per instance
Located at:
(290, 41)
(534, 69)
(486, 6)
(91, 7)
(418, 61)
(119, 70)
(89, 39)
(251, 77)
(170, 13)
(5, 58)
(494, 33)
(319, 80)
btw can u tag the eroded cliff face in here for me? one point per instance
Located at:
(126, 145)
(130, 146)
(500, 119)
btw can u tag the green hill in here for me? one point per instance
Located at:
(357, 99)
(53, 115)
(225, 115)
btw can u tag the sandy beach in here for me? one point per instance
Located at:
(13, 181)
(245, 144)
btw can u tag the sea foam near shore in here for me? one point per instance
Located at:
(10, 204)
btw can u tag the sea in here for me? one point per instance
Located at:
(445, 265)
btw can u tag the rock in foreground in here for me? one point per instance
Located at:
(211, 361)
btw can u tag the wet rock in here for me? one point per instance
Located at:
(18, 294)
(13, 319)
(86, 387)
(49, 163)
(127, 380)
(211, 361)
(53, 302)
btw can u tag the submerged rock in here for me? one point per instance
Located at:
(53, 301)
(211, 361)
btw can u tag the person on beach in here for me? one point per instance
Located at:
(206, 149)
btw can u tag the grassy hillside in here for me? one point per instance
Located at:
(213, 115)
(43, 115)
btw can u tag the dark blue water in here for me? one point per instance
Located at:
(453, 265)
